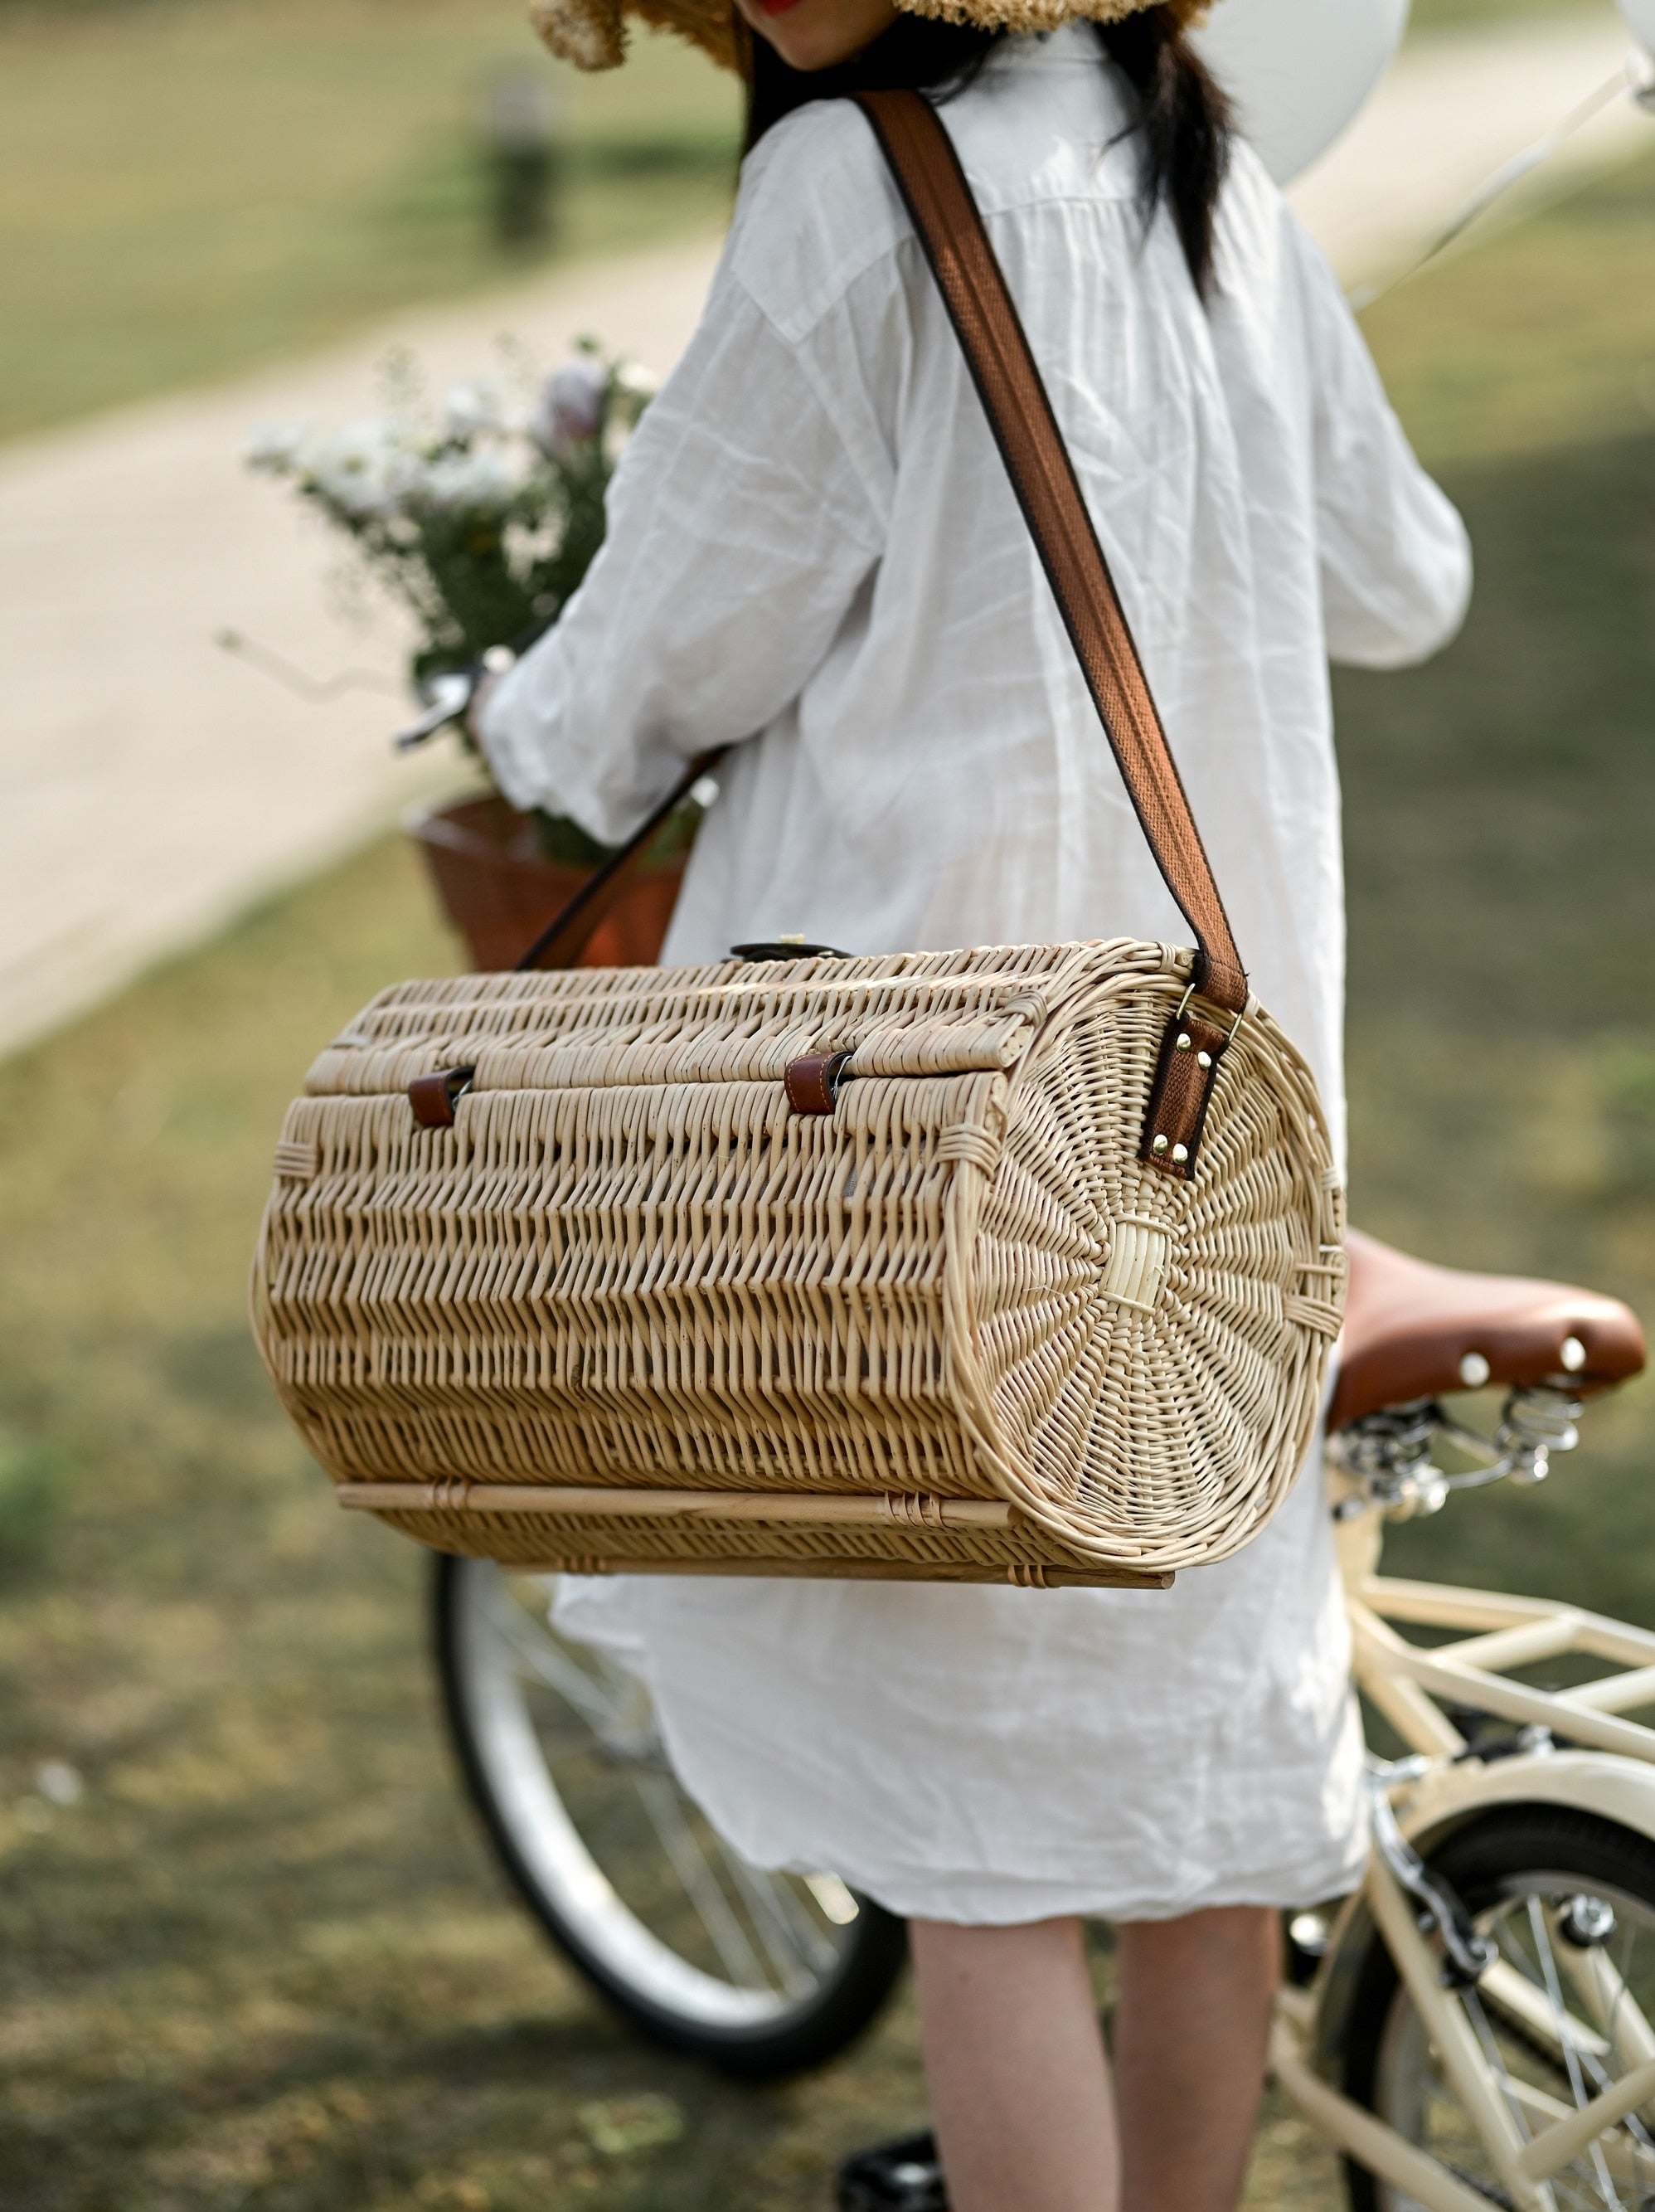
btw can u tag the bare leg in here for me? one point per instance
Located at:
(1189, 2036)
(1015, 2061)
(1019, 2086)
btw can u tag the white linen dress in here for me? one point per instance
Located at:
(812, 543)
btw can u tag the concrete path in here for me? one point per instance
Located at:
(150, 787)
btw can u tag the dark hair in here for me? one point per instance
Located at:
(1183, 119)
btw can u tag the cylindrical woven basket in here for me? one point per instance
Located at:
(633, 1311)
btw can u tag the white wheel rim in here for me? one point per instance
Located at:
(754, 1921)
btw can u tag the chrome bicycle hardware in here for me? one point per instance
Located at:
(1389, 1455)
(1467, 1955)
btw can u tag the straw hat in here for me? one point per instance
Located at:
(593, 34)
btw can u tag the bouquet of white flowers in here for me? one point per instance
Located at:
(479, 517)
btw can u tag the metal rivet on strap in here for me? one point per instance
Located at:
(1203, 1060)
(1159, 1145)
(1180, 1153)
(1182, 1041)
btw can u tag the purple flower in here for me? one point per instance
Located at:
(571, 411)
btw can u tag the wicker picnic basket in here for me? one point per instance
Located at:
(1019, 1264)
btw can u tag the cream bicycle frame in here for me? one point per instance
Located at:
(1613, 1775)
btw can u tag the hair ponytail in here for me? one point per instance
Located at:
(1186, 125)
(1184, 119)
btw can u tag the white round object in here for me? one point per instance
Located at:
(1299, 70)
(1641, 21)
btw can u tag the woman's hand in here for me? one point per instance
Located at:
(478, 702)
(494, 664)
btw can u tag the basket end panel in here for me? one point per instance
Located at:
(1143, 1359)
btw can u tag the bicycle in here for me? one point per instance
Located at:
(1475, 2027)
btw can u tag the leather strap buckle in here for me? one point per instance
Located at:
(434, 1097)
(814, 1080)
(1236, 1018)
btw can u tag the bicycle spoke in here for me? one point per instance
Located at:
(1529, 2040)
(1542, 1944)
(1521, 2003)
(1523, 2020)
(1620, 2153)
(563, 1733)
(1603, 1984)
(699, 1882)
(771, 1922)
(1630, 2037)
(1627, 2017)
(548, 1663)
(807, 1933)
(1477, 2013)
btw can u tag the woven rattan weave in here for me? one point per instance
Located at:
(956, 1329)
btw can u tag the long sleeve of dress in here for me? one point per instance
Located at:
(740, 523)
(1396, 563)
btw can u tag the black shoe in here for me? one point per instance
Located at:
(896, 2177)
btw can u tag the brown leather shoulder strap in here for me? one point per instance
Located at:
(933, 185)
(567, 935)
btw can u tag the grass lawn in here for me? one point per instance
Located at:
(263, 1961)
(189, 187)
(1501, 901)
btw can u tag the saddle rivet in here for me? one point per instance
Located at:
(1180, 1153)
(1182, 1041)
(1203, 1060)
(1572, 1353)
(1473, 1370)
(1159, 1145)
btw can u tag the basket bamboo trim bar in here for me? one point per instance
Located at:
(574, 1503)
(761, 1567)
(632, 1307)
(572, 1529)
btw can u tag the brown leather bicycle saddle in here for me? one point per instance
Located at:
(1413, 1331)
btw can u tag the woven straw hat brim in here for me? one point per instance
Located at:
(592, 34)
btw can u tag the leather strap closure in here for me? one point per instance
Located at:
(434, 1097)
(813, 1081)
(933, 186)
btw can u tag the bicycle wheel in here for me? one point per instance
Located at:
(1566, 2010)
(762, 1974)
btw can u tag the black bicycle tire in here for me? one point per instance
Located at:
(1507, 1839)
(844, 2007)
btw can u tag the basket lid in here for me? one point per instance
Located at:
(900, 1014)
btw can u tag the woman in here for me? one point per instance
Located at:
(812, 540)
